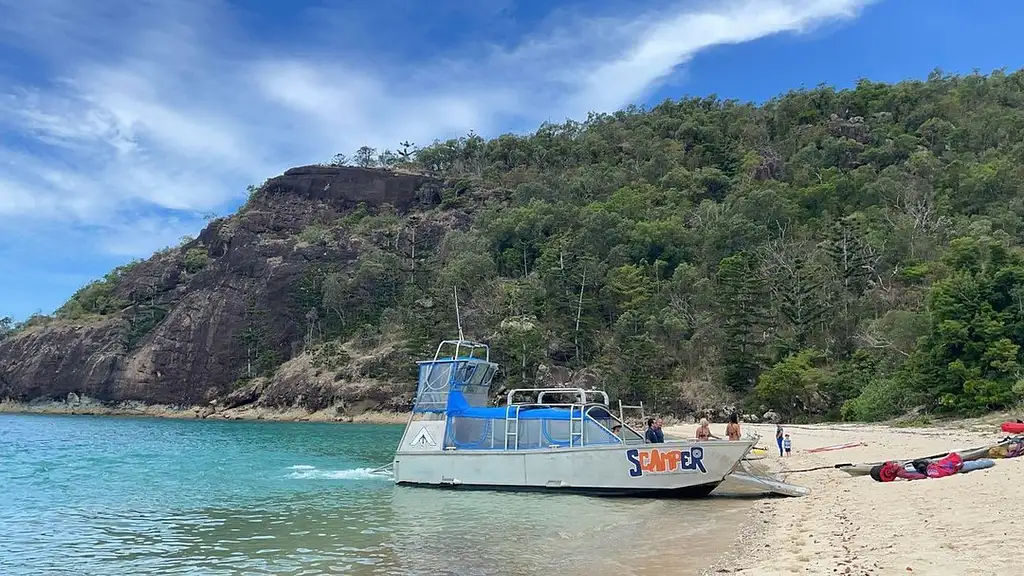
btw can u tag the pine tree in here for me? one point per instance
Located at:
(801, 306)
(745, 320)
(851, 261)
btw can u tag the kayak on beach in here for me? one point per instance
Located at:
(969, 454)
(1013, 427)
(924, 469)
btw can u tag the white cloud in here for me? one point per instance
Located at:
(171, 108)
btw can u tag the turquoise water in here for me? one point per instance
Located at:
(121, 496)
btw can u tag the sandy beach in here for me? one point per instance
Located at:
(964, 524)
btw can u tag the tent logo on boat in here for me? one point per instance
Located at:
(656, 461)
(423, 439)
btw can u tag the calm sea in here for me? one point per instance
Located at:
(123, 496)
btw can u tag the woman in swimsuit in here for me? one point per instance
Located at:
(704, 430)
(732, 430)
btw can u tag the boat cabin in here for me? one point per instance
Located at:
(454, 387)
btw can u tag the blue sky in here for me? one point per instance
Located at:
(123, 122)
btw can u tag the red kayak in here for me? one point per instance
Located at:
(1013, 427)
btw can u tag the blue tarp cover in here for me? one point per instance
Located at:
(459, 408)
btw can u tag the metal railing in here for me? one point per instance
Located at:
(580, 393)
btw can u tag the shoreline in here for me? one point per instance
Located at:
(855, 525)
(89, 407)
(847, 525)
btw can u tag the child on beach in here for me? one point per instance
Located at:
(786, 444)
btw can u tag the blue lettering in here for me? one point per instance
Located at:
(697, 459)
(633, 456)
(685, 462)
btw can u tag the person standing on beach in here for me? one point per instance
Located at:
(654, 435)
(704, 430)
(778, 437)
(732, 429)
(787, 445)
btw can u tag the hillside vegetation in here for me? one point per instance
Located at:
(846, 254)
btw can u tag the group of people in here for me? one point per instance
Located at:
(655, 435)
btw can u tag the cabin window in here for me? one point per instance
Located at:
(432, 389)
(483, 377)
(470, 433)
(465, 372)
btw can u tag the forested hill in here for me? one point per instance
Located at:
(850, 254)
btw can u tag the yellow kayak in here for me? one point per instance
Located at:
(757, 453)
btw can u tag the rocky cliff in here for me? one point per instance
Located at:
(237, 315)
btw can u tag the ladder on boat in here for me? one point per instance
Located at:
(574, 431)
(512, 426)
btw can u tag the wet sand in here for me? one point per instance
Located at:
(964, 524)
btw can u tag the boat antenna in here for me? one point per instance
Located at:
(458, 317)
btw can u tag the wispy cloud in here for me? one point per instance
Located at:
(132, 117)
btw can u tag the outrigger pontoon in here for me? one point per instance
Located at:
(556, 439)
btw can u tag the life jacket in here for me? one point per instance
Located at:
(918, 469)
(948, 466)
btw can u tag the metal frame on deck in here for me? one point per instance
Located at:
(583, 404)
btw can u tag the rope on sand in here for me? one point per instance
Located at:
(836, 447)
(815, 469)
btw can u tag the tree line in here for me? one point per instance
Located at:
(831, 253)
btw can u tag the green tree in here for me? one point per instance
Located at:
(972, 352)
(792, 387)
(366, 157)
(742, 310)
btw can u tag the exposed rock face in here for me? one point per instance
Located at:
(346, 187)
(60, 359)
(191, 351)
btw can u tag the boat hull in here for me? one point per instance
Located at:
(699, 491)
(672, 469)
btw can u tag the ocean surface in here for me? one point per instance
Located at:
(83, 495)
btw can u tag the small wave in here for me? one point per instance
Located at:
(302, 467)
(313, 473)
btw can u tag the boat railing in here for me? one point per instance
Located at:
(585, 396)
(579, 416)
(462, 349)
(577, 421)
(636, 436)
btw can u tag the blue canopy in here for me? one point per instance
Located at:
(458, 407)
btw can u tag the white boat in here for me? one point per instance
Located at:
(553, 439)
